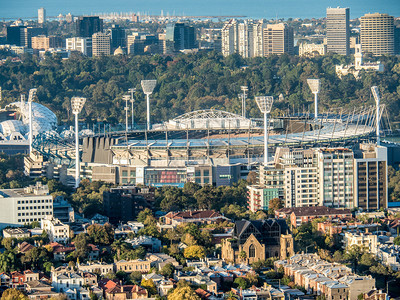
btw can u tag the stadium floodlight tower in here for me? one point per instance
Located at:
(31, 97)
(314, 85)
(132, 90)
(244, 90)
(375, 92)
(77, 104)
(126, 98)
(148, 87)
(265, 104)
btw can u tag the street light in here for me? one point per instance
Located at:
(244, 90)
(265, 104)
(126, 98)
(375, 92)
(132, 90)
(148, 87)
(314, 85)
(32, 94)
(77, 104)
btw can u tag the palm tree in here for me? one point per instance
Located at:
(117, 246)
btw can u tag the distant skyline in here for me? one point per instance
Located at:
(268, 9)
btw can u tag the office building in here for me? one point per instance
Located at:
(87, 26)
(42, 42)
(118, 37)
(277, 39)
(371, 177)
(22, 35)
(337, 30)
(14, 35)
(183, 36)
(83, 45)
(41, 15)
(140, 43)
(101, 44)
(25, 205)
(377, 34)
(123, 204)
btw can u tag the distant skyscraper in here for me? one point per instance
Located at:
(69, 18)
(41, 15)
(377, 33)
(229, 38)
(87, 26)
(337, 30)
(118, 37)
(101, 44)
(14, 35)
(182, 35)
(277, 39)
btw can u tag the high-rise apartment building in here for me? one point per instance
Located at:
(41, 15)
(371, 177)
(377, 34)
(183, 36)
(277, 39)
(87, 26)
(337, 30)
(101, 44)
(256, 38)
(42, 42)
(83, 45)
(336, 174)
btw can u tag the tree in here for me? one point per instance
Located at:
(118, 246)
(195, 251)
(231, 296)
(183, 292)
(81, 242)
(13, 294)
(241, 282)
(243, 255)
(149, 285)
(396, 240)
(252, 178)
(274, 204)
(252, 278)
(167, 270)
(135, 277)
(101, 234)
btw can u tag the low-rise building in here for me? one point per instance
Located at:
(366, 240)
(150, 243)
(16, 233)
(96, 267)
(159, 260)
(306, 49)
(130, 266)
(192, 216)
(57, 231)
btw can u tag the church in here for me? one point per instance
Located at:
(258, 240)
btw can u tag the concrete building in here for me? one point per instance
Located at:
(336, 175)
(337, 30)
(42, 42)
(306, 49)
(57, 231)
(140, 265)
(277, 39)
(83, 45)
(101, 44)
(182, 35)
(41, 15)
(62, 210)
(24, 206)
(365, 240)
(16, 233)
(371, 178)
(377, 34)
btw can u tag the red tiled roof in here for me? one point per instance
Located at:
(202, 293)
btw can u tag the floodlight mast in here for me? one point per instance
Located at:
(126, 98)
(244, 96)
(77, 104)
(375, 92)
(132, 90)
(32, 94)
(148, 87)
(264, 103)
(314, 85)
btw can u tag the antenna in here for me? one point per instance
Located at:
(314, 85)
(148, 87)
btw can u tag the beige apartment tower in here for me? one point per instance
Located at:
(337, 30)
(101, 44)
(277, 39)
(377, 33)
